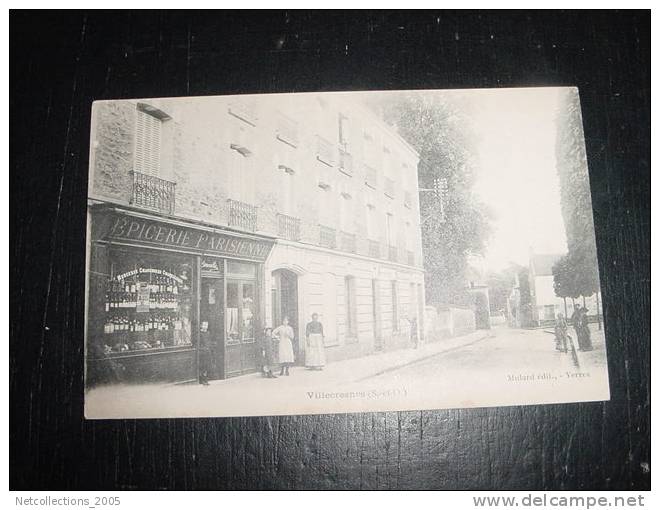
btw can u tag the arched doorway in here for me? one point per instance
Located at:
(284, 300)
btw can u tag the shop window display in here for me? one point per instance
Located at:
(148, 303)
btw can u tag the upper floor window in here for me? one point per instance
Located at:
(344, 134)
(390, 234)
(148, 138)
(287, 130)
(324, 152)
(372, 224)
(346, 219)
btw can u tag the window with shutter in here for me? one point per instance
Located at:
(147, 144)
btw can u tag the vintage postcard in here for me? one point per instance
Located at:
(340, 252)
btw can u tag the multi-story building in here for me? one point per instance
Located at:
(211, 218)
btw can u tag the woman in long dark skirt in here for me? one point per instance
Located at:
(267, 354)
(585, 332)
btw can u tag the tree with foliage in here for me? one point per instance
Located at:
(526, 302)
(500, 285)
(454, 224)
(577, 273)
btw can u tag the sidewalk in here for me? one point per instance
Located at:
(254, 394)
(359, 369)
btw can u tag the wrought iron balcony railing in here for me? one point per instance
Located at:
(242, 215)
(347, 242)
(153, 193)
(411, 257)
(288, 227)
(392, 254)
(389, 187)
(328, 237)
(374, 249)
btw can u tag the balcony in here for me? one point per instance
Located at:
(242, 215)
(347, 242)
(371, 177)
(288, 227)
(389, 187)
(392, 254)
(374, 249)
(327, 237)
(324, 151)
(153, 193)
(345, 162)
(410, 257)
(407, 199)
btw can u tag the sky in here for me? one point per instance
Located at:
(517, 177)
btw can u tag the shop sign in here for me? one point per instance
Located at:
(158, 233)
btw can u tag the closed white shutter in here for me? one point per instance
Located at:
(147, 150)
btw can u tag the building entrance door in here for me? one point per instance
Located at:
(285, 303)
(211, 311)
(240, 327)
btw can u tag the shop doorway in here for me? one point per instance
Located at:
(211, 318)
(285, 303)
(240, 327)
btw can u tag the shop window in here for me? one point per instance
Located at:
(148, 303)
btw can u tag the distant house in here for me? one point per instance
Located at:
(541, 284)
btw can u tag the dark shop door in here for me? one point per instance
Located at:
(211, 354)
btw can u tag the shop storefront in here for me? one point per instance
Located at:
(170, 300)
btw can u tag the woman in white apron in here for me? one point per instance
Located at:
(285, 335)
(314, 347)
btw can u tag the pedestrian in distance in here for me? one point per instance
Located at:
(267, 353)
(284, 334)
(575, 322)
(204, 353)
(414, 335)
(314, 344)
(585, 333)
(561, 333)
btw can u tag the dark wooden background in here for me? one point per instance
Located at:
(60, 62)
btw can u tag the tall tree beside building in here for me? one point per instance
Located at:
(454, 223)
(578, 272)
